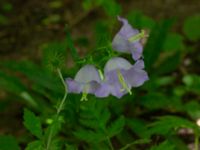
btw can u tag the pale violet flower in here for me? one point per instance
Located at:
(86, 81)
(127, 40)
(120, 77)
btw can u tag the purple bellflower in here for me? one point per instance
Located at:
(127, 40)
(86, 81)
(120, 77)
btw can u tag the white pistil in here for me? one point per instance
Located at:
(101, 74)
(123, 83)
(137, 36)
(85, 93)
(84, 97)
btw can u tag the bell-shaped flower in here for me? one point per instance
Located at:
(127, 40)
(120, 77)
(86, 81)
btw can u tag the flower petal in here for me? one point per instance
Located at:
(122, 43)
(117, 63)
(87, 80)
(78, 87)
(73, 86)
(136, 49)
(103, 90)
(136, 76)
(88, 73)
(139, 64)
(116, 88)
(126, 29)
(121, 76)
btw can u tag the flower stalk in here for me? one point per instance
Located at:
(60, 107)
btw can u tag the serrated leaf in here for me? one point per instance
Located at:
(90, 136)
(32, 123)
(166, 145)
(155, 101)
(137, 126)
(8, 142)
(116, 126)
(167, 124)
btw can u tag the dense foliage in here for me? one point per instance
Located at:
(160, 115)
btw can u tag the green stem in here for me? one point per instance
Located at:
(127, 146)
(142, 141)
(109, 143)
(65, 95)
(197, 142)
(107, 137)
(58, 109)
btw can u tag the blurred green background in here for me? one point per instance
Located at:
(31, 30)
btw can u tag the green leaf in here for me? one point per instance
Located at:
(111, 7)
(191, 27)
(35, 145)
(71, 46)
(166, 145)
(55, 4)
(36, 74)
(155, 43)
(192, 82)
(138, 20)
(169, 63)
(90, 136)
(14, 85)
(94, 117)
(116, 127)
(155, 101)
(7, 7)
(8, 142)
(3, 20)
(54, 128)
(193, 109)
(51, 19)
(100, 146)
(32, 123)
(71, 147)
(137, 126)
(173, 42)
(167, 124)
(11, 83)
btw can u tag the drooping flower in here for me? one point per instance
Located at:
(86, 81)
(127, 40)
(120, 77)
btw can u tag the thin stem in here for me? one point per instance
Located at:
(142, 141)
(109, 143)
(197, 142)
(127, 146)
(58, 109)
(65, 95)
